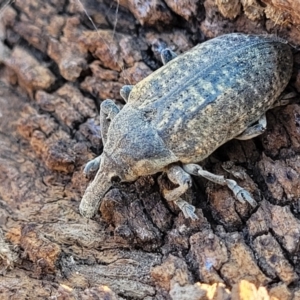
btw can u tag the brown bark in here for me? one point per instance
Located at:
(55, 69)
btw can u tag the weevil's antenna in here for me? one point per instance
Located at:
(94, 25)
(3, 8)
(116, 19)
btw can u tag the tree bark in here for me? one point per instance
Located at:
(58, 61)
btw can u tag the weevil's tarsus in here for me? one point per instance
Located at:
(286, 99)
(92, 166)
(125, 92)
(109, 109)
(187, 209)
(254, 130)
(167, 55)
(240, 193)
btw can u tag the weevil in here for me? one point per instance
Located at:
(176, 117)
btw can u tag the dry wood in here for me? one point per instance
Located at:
(55, 69)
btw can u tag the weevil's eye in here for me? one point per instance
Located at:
(115, 179)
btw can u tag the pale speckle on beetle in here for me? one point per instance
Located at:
(182, 112)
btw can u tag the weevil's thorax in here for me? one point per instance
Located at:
(134, 146)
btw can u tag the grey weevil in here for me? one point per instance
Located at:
(181, 113)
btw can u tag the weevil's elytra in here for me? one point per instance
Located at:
(182, 112)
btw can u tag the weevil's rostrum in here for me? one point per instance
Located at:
(182, 112)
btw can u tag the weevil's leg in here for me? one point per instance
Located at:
(286, 98)
(178, 176)
(125, 92)
(92, 166)
(108, 110)
(167, 55)
(240, 193)
(254, 130)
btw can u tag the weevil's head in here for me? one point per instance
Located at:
(111, 168)
(133, 148)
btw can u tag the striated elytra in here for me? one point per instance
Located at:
(177, 116)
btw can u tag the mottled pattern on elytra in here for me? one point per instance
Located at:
(202, 99)
(195, 62)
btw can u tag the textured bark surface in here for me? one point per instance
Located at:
(55, 69)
